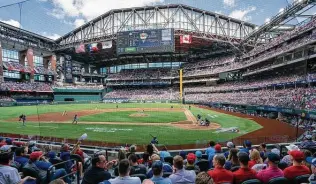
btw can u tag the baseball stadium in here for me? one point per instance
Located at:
(171, 77)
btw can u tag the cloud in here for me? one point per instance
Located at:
(242, 14)
(229, 3)
(53, 36)
(79, 22)
(12, 22)
(89, 9)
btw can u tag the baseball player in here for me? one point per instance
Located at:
(23, 119)
(75, 119)
(64, 113)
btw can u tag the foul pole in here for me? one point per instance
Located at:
(181, 86)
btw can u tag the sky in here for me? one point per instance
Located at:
(54, 18)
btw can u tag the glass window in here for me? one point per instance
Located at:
(38, 61)
(10, 55)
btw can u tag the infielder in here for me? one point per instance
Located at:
(75, 119)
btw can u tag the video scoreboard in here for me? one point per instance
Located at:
(145, 41)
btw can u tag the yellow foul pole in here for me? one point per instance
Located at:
(181, 86)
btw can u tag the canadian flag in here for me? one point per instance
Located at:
(185, 39)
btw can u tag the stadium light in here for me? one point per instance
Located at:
(281, 10)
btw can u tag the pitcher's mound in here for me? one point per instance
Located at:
(139, 114)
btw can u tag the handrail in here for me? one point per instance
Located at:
(52, 169)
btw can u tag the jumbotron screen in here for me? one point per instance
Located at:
(145, 41)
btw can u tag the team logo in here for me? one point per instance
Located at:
(143, 36)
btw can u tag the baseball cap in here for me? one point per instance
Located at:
(292, 147)
(157, 165)
(36, 155)
(273, 157)
(1, 139)
(275, 151)
(18, 144)
(309, 137)
(51, 154)
(311, 160)
(230, 144)
(191, 157)
(183, 154)
(8, 141)
(6, 148)
(198, 154)
(297, 155)
(243, 157)
(218, 147)
(247, 143)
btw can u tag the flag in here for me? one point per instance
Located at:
(80, 48)
(93, 47)
(107, 45)
(185, 39)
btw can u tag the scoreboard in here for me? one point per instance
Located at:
(145, 41)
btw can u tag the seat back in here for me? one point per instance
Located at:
(301, 179)
(142, 177)
(31, 172)
(204, 156)
(235, 168)
(278, 180)
(252, 181)
(203, 165)
(169, 160)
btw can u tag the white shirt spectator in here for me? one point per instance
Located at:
(125, 180)
(9, 175)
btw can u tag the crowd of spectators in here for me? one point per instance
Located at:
(209, 62)
(215, 165)
(17, 67)
(81, 86)
(247, 84)
(44, 71)
(25, 86)
(138, 82)
(138, 74)
(299, 98)
(6, 99)
(283, 37)
(144, 94)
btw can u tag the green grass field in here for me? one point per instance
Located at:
(124, 116)
(124, 133)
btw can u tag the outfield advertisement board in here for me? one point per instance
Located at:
(145, 41)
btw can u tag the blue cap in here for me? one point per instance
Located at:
(247, 143)
(157, 165)
(8, 141)
(311, 160)
(274, 158)
(183, 154)
(164, 154)
(198, 154)
(51, 154)
(1, 139)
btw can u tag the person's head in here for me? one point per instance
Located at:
(219, 160)
(178, 162)
(121, 154)
(312, 162)
(309, 137)
(183, 154)
(263, 146)
(230, 145)
(145, 157)
(191, 158)
(155, 157)
(296, 157)
(198, 154)
(150, 149)
(124, 167)
(307, 153)
(273, 159)
(36, 155)
(255, 155)
(232, 156)
(8, 141)
(21, 151)
(132, 159)
(243, 159)
(157, 168)
(203, 178)
(65, 147)
(99, 161)
(58, 181)
(211, 143)
(6, 158)
(218, 148)
(247, 144)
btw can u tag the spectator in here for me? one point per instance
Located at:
(255, 158)
(180, 175)
(263, 151)
(97, 173)
(164, 153)
(203, 178)
(198, 155)
(232, 160)
(20, 154)
(229, 145)
(10, 175)
(135, 168)
(272, 171)
(190, 163)
(312, 162)
(297, 169)
(38, 163)
(218, 150)
(65, 156)
(210, 150)
(124, 178)
(287, 158)
(244, 172)
(247, 146)
(183, 154)
(157, 171)
(166, 167)
(219, 174)
(308, 143)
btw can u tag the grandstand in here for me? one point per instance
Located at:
(219, 100)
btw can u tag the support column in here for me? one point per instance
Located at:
(22, 56)
(30, 62)
(1, 65)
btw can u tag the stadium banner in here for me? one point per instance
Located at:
(80, 48)
(68, 69)
(185, 39)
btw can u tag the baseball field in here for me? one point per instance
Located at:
(132, 123)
